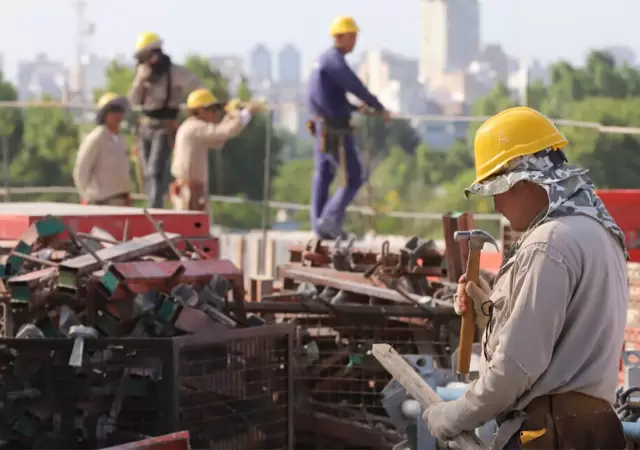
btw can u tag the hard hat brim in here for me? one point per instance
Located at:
(118, 102)
(153, 46)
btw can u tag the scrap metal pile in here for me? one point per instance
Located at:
(343, 300)
(107, 342)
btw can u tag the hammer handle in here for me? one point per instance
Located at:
(468, 325)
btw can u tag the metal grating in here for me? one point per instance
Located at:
(338, 381)
(234, 395)
(231, 391)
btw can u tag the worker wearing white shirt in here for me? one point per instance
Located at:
(204, 130)
(102, 170)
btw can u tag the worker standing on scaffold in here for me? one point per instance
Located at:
(159, 88)
(331, 127)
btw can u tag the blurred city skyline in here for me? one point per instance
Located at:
(547, 30)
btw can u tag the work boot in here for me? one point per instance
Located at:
(328, 228)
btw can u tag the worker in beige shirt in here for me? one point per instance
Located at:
(204, 130)
(102, 170)
(554, 320)
(159, 88)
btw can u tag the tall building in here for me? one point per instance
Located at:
(450, 36)
(260, 65)
(392, 78)
(41, 76)
(289, 65)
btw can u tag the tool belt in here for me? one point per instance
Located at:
(571, 421)
(124, 198)
(169, 125)
(332, 133)
(191, 195)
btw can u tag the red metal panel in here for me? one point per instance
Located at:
(209, 245)
(152, 270)
(15, 218)
(624, 206)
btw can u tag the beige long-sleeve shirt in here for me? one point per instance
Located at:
(194, 140)
(151, 96)
(558, 323)
(102, 167)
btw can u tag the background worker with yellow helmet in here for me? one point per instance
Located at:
(102, 170)
(329, 82)
(204, 130)
(557, 311)
(159, 88)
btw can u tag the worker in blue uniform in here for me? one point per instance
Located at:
(330, 81)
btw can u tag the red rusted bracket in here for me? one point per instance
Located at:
(141, 276)
(318, 255)
(173, 441)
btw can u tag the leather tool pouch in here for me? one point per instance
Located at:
(333, 132)
(572, 421)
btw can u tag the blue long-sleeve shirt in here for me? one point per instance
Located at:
(328, 84)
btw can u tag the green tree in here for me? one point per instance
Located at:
(11, 119)
(210, 76)
(243, 92)
(51, 141)
(119, 79)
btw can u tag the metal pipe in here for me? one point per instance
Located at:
(266, 189)
(631, 429)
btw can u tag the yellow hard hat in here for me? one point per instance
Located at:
(148, 41)
(343, 25)
(201, 98)
(110, 99)
(107, 98)
(514, 132)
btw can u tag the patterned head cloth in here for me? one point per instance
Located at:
(570, 190)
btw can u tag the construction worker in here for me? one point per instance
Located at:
(328, 85)
(102, 169)
(159, 88)
(554, 321)
(204, 130)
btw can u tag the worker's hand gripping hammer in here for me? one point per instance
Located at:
(477, 239)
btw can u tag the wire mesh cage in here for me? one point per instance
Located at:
(338, 382)
(231, 391)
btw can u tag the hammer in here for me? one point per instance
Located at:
(477, 239)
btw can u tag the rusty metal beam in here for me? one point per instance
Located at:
(135, 248)
(353, 282)
(273, 305)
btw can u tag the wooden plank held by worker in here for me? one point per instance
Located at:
(173, 441)
(418, 389)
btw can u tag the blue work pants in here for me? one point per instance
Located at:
(327, 165)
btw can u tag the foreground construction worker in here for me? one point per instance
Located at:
(554, 320)
(158, 88)
(102, 169)
(328, 85)
(204, 130)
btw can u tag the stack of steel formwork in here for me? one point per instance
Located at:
(344, 299)
(111, 340)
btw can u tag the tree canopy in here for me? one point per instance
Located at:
(409, 176)
(405, 173)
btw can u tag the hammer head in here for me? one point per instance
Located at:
(476, 238)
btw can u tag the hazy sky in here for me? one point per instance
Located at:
(545, 29)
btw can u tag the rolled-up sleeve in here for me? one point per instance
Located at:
(540, 294)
